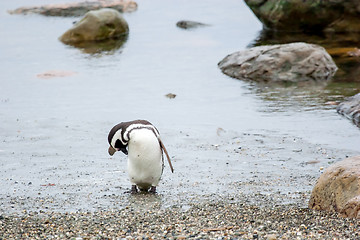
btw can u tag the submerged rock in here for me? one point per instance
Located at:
(307, 16)
(78, 8)
(185, 24)
(55, 73)
(351, 109)
(292, 62)
(103, 47)
(96, 25)
(338, 189)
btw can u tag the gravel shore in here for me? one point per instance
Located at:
(212, 219)
(259, 190)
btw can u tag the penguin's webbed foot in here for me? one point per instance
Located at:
(133, 190)
(152, 189)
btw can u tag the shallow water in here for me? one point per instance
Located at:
(54, 131)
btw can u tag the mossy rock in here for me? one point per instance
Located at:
(97, 25)
(307, 16)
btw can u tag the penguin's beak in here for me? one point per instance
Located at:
(111, 151)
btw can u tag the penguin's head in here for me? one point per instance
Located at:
(116, 139)
(119, 135)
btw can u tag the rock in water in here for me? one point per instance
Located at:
(185, 24)
(293, 62)
(55, 73)
(307, 16)
(351, 109)
(338, 188)
(77, 9)
(97, 25)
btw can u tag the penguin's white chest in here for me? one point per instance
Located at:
(145, 163)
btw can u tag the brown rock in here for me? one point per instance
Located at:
(97, 25)
(352, 208)
(170, 95)
(55, 73)
(77, 8)
(338, 189)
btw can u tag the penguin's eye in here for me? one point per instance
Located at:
(118, 144)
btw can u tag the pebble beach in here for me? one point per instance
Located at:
(264, 203)
(246, 154)
(206, 220)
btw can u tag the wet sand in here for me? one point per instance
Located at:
(246, 155)
(278, 167)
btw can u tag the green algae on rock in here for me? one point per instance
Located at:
(307, 16)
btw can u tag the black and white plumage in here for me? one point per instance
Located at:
(140, 140)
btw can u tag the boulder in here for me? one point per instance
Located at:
(340, 46)
(96, 25)
(185, 24)
(292, 62)
(77, 9)
(351, 109)
(338, 189)
(307, 16)
(352, 208)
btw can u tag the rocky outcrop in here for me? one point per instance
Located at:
(96, 25)
(292, 62)
(307, 16)
(185, 24)
(351, 109)
(78, 8)
(338, 189)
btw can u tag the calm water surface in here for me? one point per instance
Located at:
(158, 58)
(66, 119)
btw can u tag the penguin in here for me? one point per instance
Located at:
(141, 142)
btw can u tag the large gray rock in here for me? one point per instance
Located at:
(351, 109)
(307, 16)
(77, 8)
(338, 189)
(96, 25)
(292, 62)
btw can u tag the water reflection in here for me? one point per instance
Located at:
(303, 96)
(313, 95)
(327, 40)
(281, 97)
(104, 47)
(144, 201)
